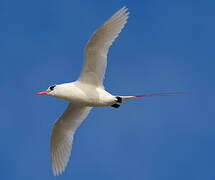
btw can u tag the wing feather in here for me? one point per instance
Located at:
(62, 136)
(96, 50)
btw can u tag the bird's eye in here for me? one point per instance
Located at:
(52, 87)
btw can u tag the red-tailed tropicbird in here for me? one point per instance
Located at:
(86, 92)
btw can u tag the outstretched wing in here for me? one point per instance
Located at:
(96, 50)
(62, 136)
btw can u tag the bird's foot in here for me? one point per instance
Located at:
(115, 105)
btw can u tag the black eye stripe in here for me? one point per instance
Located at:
(52, 87)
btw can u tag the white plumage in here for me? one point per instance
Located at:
(86, 92)
(62, 136)
(96, 50)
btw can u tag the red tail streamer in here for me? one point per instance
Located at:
(162, 94)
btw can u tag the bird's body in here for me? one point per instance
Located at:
(84, 94)
(87, 92)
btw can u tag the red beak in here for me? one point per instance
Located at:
(42, 92)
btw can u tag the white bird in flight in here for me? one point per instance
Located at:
(86, 92)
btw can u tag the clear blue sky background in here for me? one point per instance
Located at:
(166, 45)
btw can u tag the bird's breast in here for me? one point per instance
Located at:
(87, 95)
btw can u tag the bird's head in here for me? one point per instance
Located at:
(50, 91)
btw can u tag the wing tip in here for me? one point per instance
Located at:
(125, 12)
(57, 171)
(59, 165)
(124, 8)
(122, 11)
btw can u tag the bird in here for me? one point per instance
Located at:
(87, 91)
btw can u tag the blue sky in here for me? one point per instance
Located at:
(166, 45)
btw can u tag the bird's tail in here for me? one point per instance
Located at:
(153, 94)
